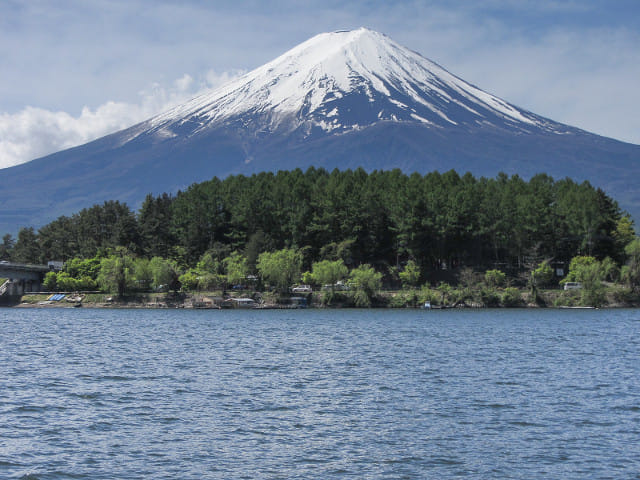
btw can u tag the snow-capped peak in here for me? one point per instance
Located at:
(342, 81)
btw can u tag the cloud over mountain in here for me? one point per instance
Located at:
(343, 99)
(34, 132)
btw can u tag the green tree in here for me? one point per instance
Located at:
(624, 233)
(590, 273)
(143, 275)
(154, 222)
(78, 267)
(577, 266)
(59, 239)
(26, 249)
(632, 268)
(189, 280)
(116, 273)
(208, 264)
(66, 283)
(593, 292)
(235, 266)
(543, 275)
(511, 297)
(367, 282)
(163, 273)
(86, 283)
(6, 247)
(329, 272)
(50, 282)
(410, 276)
(495, 278)
(280, 268)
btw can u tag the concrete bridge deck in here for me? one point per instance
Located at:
(21, 277)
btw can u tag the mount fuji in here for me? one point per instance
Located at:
(344, 99)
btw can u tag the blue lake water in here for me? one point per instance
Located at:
(327, 394)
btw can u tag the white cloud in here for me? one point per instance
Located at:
(575, 62)
(35, 132)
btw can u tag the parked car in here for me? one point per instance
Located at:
(572, 286)
(302, 289)
(338, 287)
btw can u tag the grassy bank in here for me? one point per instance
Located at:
(444, 296)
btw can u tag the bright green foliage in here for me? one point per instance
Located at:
(235, 266)
(210, 281)
(410, 276)
(208, 264)
(632, 270)
(543, 275)
(62, 281)
(366, 282)
(50, 282)
(624, 232)
(78, 267)
(163, 272)
(576, 267)
(116, 273)
(142, 274)
(189, 280)
(280, 268)
(593, 292)
(427, 294)
(328, 272)
(86, 284)
(590, 273)
(494, 278)
(66, 283)
(209, 276)
(308, 278)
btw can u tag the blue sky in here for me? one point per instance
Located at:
(74, 70)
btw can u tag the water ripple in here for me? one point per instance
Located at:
(319, 394)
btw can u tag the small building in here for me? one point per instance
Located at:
(55, 265)
(243, 302)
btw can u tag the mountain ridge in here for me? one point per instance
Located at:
(339, 100)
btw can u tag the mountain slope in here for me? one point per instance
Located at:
(341, 99)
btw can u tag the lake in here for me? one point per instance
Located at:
(327, 394)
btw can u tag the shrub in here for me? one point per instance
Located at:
(543, 275)
(490, 297)
(189, 280)
(511, 297)
(494, 278)
(51, 281)
(66, 283)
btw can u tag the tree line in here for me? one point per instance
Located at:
(382, 218)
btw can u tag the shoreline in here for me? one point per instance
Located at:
(510, 297)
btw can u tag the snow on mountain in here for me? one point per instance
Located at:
(323, 82)
(339, 100)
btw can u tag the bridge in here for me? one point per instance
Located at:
(21, 278)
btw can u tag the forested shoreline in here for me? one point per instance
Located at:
(387, 221)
